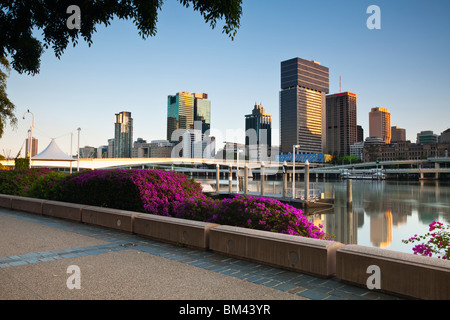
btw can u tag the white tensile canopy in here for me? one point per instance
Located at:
(53, 153)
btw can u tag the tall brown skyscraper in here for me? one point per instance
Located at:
(304, 85)
(341, 123)
(380, 124)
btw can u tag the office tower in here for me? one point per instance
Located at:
(360, 134)
(123, 138)
(258, 139)
(426, 137)
(184, 110)
(34, 146)
(197, 145)
(88, 152)
(304, 85)
(341, 123)
(398, 134)
(380, 124)
(141, 149)
(110, 148)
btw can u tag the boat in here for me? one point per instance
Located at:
(373, 174)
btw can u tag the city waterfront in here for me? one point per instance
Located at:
(385, 212)
(382, 214)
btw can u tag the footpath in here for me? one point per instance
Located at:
(45, 258)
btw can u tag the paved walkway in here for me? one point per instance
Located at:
(37, 252)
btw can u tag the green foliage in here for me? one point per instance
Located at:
(19, 19)
(17, 182)
(46, 186)
(6, 106)
(22, 163)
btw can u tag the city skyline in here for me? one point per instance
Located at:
(120, 71)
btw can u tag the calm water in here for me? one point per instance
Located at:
(383, 213)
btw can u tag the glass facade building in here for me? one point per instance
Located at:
(304, 85)
(258, 140)
(123, 137)
(184, 110)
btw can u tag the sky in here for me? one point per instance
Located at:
(404, 67)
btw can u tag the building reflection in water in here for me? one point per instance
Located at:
(387, 205)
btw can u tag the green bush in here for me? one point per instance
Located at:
(46, 186)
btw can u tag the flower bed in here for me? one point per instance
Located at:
(161, 193)
(251, 212)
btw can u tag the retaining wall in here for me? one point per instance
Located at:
(401, 274)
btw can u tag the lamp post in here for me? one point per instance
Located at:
(78, 153)
(30, 142)
(294, 148)
(237, 170)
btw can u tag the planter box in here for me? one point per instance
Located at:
(305, 255)
(68, 211)
(193, 234)
(30, 205)
(110, 218)
(400, 273)
(5, 201)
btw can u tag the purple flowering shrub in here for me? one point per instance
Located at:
(436, 241)
(251, 212)
(148, 191)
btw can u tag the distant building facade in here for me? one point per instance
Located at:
(304, 85)
(426, 137)
(398, 134)
(258, 139)
(185, 111)
(123, 137)
(380, 124)
(34, 146)
(342, 128)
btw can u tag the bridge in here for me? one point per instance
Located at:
(431, 166)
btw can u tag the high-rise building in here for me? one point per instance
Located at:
(398, 134)
(426, 137)
(123, 137)
(34, 146)
(258, 140)
(360, 134)
(380, 124)
(341, 118)
(184, 110)
(304, 85)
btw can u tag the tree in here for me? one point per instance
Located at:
(6, 106)
(20, 18)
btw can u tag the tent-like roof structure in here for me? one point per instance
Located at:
(53, 153)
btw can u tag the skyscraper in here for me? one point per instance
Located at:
(123, 135)
(398, 134)
(380, 124)
(304, 85)
(341, 123)
(184, 109)
(258, 140)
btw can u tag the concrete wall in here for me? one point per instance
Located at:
(402, 274)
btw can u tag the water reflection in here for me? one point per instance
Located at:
(384, 212)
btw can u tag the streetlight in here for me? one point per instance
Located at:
(30, 142)
(237, 169)
(294, 148)
(78, 153)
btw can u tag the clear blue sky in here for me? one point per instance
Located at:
(403, 67)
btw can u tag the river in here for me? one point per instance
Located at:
(383, 212)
